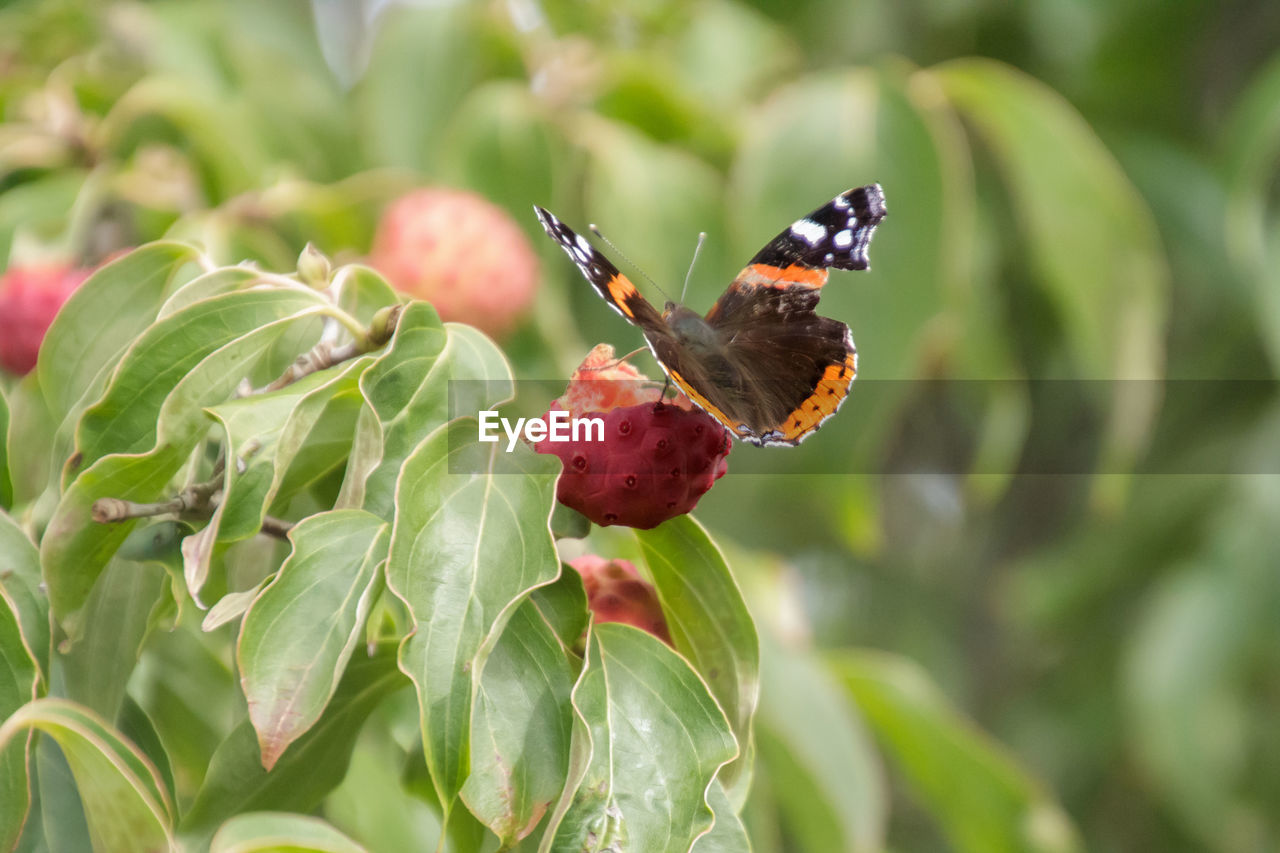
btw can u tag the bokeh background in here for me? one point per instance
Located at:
(1046, 515)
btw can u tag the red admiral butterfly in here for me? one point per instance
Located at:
(761, 361)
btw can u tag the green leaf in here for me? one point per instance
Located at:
(362, 291)
(21, 582)
(125, 802)
(435, 43)
(480, 377)
(404, 390)
(817, 755)
(300, 433)
(213, 283)
(146, 453)
(373, 803)
(274, 832)
(678, 194)
(116, 621)
(563, 605)
(300, 631)
(1189, 670)
(188, 692)
(135, 726)
(225, 329)
(520, 728)
(711, 48)
(466, 547)
(220, 130)
(19, 684)
(41, 205)
(979, 796)
(317, 438)
(102, 318)
(6, 484)
(657, 740)
(568, 523)
(500, 144)
(710, 626)
(29, 442)
(1091, 235)
(308, 769)
(727, 834)
(62, 815)
(1252, 137)
(136, 283)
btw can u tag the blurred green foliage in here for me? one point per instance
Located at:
(1077, 190)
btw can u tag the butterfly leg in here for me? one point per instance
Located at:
(662, 395)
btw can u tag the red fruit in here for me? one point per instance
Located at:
(29, 300)
(654, 462)
(459, 252)
(616, 593)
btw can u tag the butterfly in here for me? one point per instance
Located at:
(761, 361)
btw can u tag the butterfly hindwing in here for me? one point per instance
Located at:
(801, 364)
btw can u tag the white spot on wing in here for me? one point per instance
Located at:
(583, 244)
(809, 231)
(844, 239)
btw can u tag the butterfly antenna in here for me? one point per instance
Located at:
(702, 238)
(609, 365)
(623, 255)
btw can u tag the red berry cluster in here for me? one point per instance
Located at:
(655, 460)
(616, 593)
(29, 300)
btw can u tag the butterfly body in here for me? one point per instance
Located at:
(761, 361)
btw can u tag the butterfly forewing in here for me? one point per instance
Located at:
(608, 281)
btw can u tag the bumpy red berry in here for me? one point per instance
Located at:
(463, 254)
(616, 593)
(29, 300)
(653, 461)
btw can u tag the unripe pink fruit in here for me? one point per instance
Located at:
(616, 593)
(29, 300)
(463, 254)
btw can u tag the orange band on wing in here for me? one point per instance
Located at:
(621, 292)
(701, 401)
(823, 402)
(793, 275)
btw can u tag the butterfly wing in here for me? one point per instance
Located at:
(793, 367)
(796, 365)
(612, 285)
(836, 235)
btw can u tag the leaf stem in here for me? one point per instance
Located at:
(198, 500)
(325, 354)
